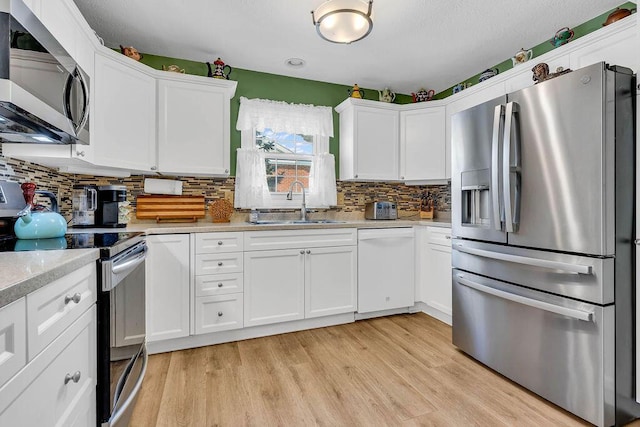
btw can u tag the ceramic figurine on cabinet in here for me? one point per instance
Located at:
(220, 70)
(423, 95)
(616, 15)
(173, 69)
(541, 72)
(460, 87)
(522, 56)
(562, 36)
(131, 52)
(355, 92)
(487, 74)
(386, 95)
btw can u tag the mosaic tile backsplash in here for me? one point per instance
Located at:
(351, 195)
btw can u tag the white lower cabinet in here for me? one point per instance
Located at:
(311, 279)
(218, 313)
(330, 281)
(167, 286)
(13, 339)
(274, 286)
(218, 302)
(58, 386)
(435, 273)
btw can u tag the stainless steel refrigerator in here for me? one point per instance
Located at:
(543, 224)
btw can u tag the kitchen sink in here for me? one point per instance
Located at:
(298, 221)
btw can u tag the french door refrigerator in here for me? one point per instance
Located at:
(543, 224)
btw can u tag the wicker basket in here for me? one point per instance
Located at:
(220, 210)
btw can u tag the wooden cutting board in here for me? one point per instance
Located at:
(165, 208)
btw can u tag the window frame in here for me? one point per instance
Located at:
(279, 199)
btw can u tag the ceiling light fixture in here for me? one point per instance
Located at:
(343, 21)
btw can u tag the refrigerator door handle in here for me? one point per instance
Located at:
(496, 202)
(535, 262)
(586, 316)
(510, 217)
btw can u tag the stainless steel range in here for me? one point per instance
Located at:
(543, 219)
(122, 353)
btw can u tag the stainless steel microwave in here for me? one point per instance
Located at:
(44, 95)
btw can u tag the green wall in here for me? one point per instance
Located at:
(544, 47)
(253, 84)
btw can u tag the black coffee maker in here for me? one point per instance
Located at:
(110, 197)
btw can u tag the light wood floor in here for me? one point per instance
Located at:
(397, 371)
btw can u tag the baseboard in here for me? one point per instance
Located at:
(432, 311)
(193, 341)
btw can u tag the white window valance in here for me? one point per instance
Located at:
(281, 116)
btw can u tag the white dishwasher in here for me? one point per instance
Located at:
(385, 269)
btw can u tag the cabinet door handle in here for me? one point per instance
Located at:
(220, 242)
(219, 314)
(75, 377)
(219, 263)
(308, 251)
(447, 237)
(153, 168)
(302, 251)
(75, 298)
(219, 285)
(79, 153)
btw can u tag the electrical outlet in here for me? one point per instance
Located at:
(341, 199)
(361, 199)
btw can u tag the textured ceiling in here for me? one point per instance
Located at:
(414, 43)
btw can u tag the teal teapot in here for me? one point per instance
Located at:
(33, 224)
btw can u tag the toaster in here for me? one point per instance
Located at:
(381, 210)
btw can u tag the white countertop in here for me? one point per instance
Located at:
(25, 272)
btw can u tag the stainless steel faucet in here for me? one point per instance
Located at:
(303, 209)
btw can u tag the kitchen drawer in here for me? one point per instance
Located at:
(51, 309)
(38, 395)
(13, 339)
(294, 239)
(219, 284)
(439, 236)
(211, 243)
(218, 313)
(219, 263)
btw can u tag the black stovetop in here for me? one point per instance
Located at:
(103, 241)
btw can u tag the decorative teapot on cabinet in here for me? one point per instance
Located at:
(386, 95)
(423, 95)
(562, 36)
(220, 71)
(355, 92)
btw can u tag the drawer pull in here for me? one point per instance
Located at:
(75, 377)
(219, 285)
(220, 242)
(219, 314)
(75, 298)
(447, 237)
(219, 263)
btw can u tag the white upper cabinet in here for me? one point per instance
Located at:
(123, 113)
(194, 125)
(369, 140)
(616, 44)
(423, 144)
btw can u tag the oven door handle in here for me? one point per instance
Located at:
(130, 400)
(586, 316)
(129, 264)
